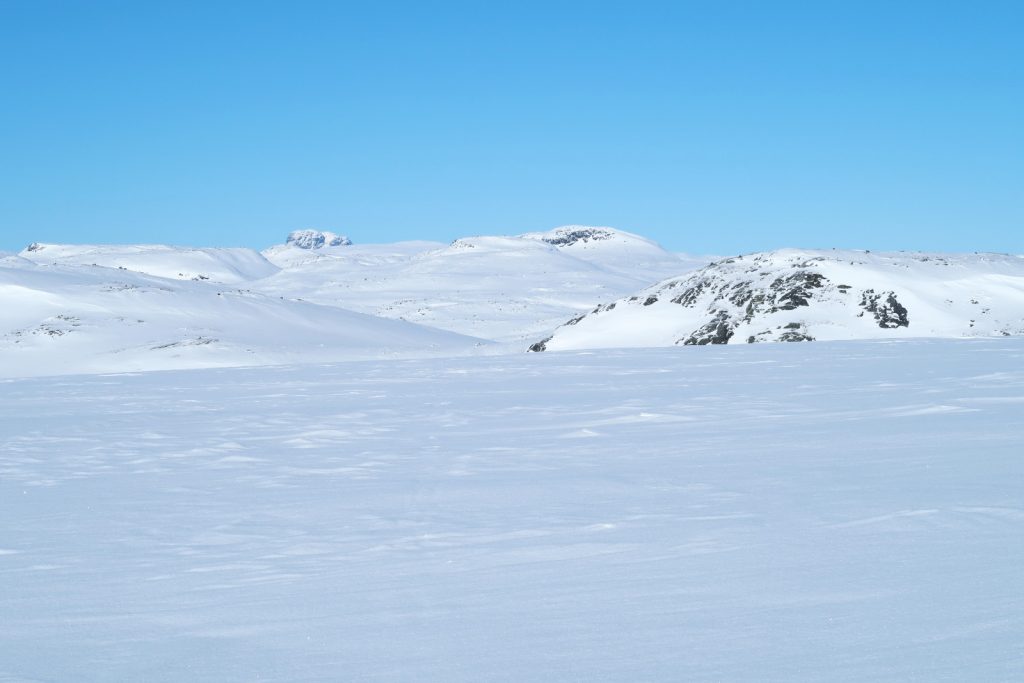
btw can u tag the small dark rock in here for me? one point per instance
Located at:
(542, 345)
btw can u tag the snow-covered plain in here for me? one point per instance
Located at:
(834, 511)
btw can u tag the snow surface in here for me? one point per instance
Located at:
(222, 265)
(61, 319)
(842, 511)
(801, 295)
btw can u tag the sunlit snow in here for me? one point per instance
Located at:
(330, 461)
(833, 511)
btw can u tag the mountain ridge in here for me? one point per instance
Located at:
(71, 308)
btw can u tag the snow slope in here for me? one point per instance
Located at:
(68, 319)
(224, 265)
(841, 511)
(502, 288)
(95, 308)
(802, 295)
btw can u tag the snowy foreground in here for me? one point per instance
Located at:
(835, 511)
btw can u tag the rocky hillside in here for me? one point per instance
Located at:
(803, 295)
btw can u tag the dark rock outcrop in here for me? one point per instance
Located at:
(717, 331)
(569, 237)
(888, 312)
(542, 345)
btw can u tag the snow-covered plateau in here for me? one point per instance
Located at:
(841, 511)
(329, 461)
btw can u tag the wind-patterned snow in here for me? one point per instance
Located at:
(835, 511)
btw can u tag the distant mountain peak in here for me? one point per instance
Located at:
(568, 235)
(316, 239)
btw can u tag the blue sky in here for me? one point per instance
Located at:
(713, 127)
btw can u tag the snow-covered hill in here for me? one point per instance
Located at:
(57, 319)
(803, 295)
(611, 249)
(224, 265)
(502, 288)
(84, 308)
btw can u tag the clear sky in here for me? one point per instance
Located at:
(712, 126)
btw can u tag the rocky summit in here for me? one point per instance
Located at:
(316, 239)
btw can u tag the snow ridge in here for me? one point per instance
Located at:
(232, 265)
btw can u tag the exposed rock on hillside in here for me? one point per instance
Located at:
(792, 295)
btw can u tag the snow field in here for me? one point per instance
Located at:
(836, 511)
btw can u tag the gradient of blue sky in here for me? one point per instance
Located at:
(713, 127)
